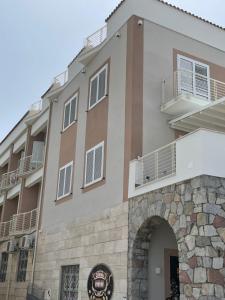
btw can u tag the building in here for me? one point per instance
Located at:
(22, 155)
(133, 202)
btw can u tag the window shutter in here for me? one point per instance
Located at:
(201, 80)
(68, 173)
(67, 115)
(102, 87)
(93, 96)
(89, 167)
(61, 183)
(73, 110)
(98, 163)
(186, 75)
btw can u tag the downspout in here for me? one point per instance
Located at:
(41, 193)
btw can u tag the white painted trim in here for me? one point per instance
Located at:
(102, 145)
(65, 167)
(105, 67)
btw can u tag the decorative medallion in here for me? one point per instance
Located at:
(100, 283)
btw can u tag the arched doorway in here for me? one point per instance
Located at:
(154, 262)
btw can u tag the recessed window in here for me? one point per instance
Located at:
(3, 268)
(98, 87)
(69, 283)
(193, 77)
(65, 180)
(22, 266)
(70, 112)
(94, 164)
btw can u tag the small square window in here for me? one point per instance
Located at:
(65, 180)
(94, 164)
(98, 87)
(70, 112)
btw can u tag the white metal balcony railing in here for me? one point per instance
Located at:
(187, 82)
(156, 165)
(96, 38)
(19, 224)
(60, 80)
(24, 222)
(28, 165)
(9, 180)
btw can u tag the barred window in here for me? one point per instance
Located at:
(69, 282)
(22, 265)
(3, 268)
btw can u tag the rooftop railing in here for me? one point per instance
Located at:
(28, 165)
(9, 180)
(96, 38)
(60, 80)
(156, 165)
(190, 83)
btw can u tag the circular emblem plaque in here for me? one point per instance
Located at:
(100, 283)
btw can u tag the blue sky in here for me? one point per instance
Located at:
(39, 39)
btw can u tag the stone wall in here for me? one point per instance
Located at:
(195, 210)
(86, 242)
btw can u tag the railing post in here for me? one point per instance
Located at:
(156, 165)
(163, 91)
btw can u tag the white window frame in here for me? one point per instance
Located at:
(68, 102)
(102, 144)
(64, 167)
(105, 67)
(194, 62)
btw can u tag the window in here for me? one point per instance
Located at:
(69, 283)
(94, 164)
(70, 112)
(3, 268)
(193, 77)
(98, 87)
(65, 180)
(22, 266)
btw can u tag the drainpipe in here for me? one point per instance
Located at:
(41, 194)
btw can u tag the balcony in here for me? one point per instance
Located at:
(186, 92)
(198, 153)
(9, 180)
(24, 223)
(29, 165)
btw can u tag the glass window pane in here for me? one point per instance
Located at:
(101, 90)
(22, 266)
(89, 167)
(93, 95)
(67, 115)
(98, 163)
(73, 110)
(68, 180)
(61, 182)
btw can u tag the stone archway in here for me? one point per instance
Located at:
(195, 212)
(150, 269)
